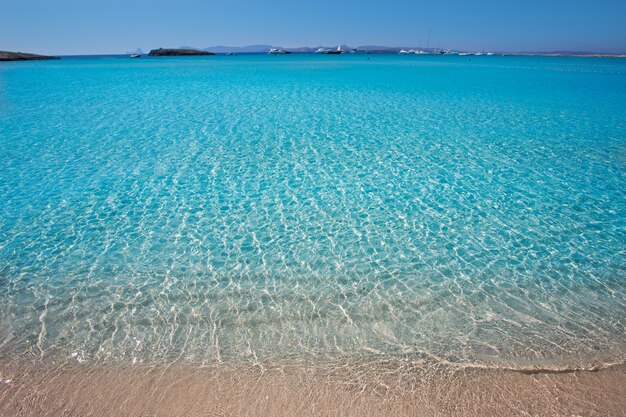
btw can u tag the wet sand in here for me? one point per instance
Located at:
(372, 389)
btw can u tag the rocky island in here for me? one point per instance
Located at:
(20, 56)
(177, 52)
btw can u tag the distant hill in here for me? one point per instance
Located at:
(567, 53)
(222, 49)
(21, 56)
(263, 48)
(378, 48)
(178, 52)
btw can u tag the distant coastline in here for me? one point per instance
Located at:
(262, 49)
(178, 52)
(380, 49)
(22, 56)
(580, 55)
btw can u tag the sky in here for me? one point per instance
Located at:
(64, 27)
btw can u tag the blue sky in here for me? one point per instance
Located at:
(117, 26)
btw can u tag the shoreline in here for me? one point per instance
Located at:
(375, 388)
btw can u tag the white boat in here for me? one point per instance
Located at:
(329, 51)
(463, 53)
(135, 55)
(278, 51)
(402, 51)
(489, 53)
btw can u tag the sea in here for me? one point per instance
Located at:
(252, 209)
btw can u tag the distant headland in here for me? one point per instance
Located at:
(21, 56)
(178, 52)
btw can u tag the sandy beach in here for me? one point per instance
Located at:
(372, 389)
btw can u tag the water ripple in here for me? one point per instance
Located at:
(260, 210)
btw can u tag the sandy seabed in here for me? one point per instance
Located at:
(366, 389)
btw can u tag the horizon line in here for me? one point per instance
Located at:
(370, 47)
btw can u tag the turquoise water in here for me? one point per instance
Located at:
(332, 208)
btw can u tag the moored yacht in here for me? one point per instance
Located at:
(278, 51)
(329, 51)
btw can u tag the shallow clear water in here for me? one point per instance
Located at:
(277, 208)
